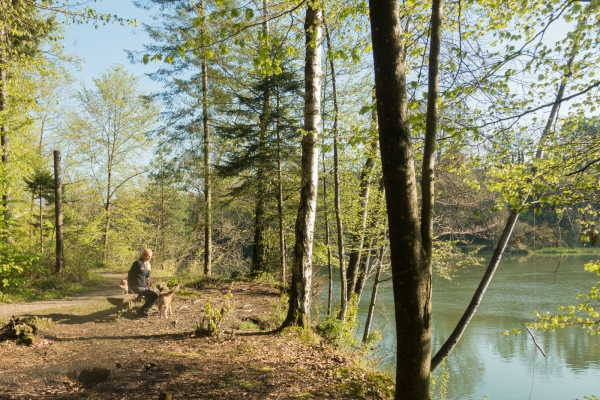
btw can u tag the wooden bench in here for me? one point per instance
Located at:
(124, 301)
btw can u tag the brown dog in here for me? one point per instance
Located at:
(124, 287)
(165, 296)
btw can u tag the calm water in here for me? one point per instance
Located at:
(485, 362)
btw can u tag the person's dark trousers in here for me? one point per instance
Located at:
(150, 296)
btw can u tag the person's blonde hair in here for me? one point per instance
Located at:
(145, 252)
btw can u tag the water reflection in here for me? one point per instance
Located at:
(509, 367)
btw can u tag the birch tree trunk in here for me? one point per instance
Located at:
(299, 306)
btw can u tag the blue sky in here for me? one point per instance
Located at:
(100, 48)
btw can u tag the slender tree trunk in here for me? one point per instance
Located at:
(376, 283)
(461, 327)
(282, 253)
(359, 236)
(207, 171)
(41, 221)
(299, 307)
(4, 143)
(58, 224)
(162, 227)
(336, 175)
(107, 208)
(329, 265)
(364, 269)
(259, 253)
(409, 254)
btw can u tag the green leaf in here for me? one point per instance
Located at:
(249, 13)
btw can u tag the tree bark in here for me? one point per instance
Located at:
(259, 253)
(410, 261)
(376, 283)
(207, 171)
(60, 259)
(336, 179)
(463, 323)
(299, 306)
(282, 252)
(359, 236)
(5, 144)
(329, 266)
(41, 221)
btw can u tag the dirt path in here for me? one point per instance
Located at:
(94, 353)
(83, 299)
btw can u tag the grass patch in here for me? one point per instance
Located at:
(366, 383)
(248, 325)
(51, 287)
(242, 349)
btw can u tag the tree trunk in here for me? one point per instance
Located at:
(461, 327)
(410, 261)
(58, 224)
(299, 306)
(4, 143)
(259, 253)
(359, 236)
(364, 270)
(41, 221)
(336, 175)
(282, 253)
(329, 266)
(162, 227)
(107, 209)
(376, 283)
(207, 172)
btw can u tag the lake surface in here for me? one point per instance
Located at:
(487, 363)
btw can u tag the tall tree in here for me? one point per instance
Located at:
(111, 136)
(299, 306)
(410, 236)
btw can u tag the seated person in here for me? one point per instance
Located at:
(138, 280)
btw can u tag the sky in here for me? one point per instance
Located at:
(100, 48)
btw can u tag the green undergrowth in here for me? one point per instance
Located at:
(50, 287)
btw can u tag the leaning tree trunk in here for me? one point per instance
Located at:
(359, 236)
(376, 283)
(60, 258)
(354, 264)
(461, 327)
(409, 249)
(299, 306)
(207, 172)
(336, 179)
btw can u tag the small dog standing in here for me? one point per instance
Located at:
(124, 287)
(165, 297)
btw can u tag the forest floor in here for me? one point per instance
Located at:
(85, 349)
